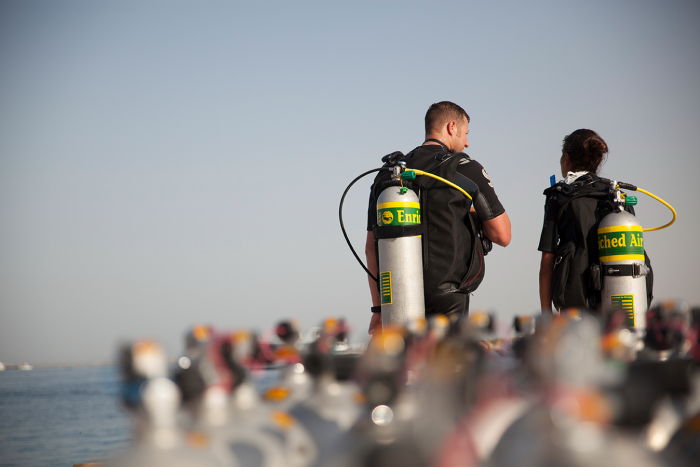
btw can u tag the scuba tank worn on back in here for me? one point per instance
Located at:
(453, 247)
(579, 207)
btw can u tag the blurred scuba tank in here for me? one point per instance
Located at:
(154, 400)
(621, 254)
(400, 255)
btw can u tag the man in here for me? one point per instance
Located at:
(446, 132)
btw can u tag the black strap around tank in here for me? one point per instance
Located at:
(634, 270)
(397, 231)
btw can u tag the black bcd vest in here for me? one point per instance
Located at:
(452, 242)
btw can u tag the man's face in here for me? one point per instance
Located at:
(461, 136)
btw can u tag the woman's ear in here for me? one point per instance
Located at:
(565, 164)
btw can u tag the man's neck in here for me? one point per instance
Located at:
(435, 141)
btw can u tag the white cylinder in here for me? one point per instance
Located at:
(400, 259)
(621, 242)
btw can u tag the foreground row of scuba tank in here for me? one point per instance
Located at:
(570, 389)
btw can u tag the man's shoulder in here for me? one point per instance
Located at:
(465, 159)
(472, 169)
(466, 164)
(457, 159)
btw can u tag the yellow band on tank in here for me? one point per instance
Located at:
(620, 228)
(607, 259)
(399, 204)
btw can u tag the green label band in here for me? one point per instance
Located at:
(398, 216)
(626, 243)
(385, 287)
(626, 302)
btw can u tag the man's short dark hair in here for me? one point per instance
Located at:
(442, 112)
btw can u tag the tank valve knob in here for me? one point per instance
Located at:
(408, 175)
(403, 190)
(630, 200)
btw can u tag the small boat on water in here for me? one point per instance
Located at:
(25, 366)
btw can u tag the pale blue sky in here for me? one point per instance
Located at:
(167, 163)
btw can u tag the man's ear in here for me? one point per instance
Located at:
(451, 127)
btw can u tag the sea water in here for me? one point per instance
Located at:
(61, 416)
(65, 416)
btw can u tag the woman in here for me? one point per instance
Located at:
(568, 240)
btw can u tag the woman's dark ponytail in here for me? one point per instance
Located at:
(585, 149)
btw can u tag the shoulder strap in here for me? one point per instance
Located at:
(597, 188)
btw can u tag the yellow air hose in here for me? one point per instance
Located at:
(673, 211)
(456, 187)
(440, 179)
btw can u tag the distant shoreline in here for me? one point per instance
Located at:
(28, 367)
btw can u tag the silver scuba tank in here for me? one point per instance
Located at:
(621, 254)
(400, 258)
